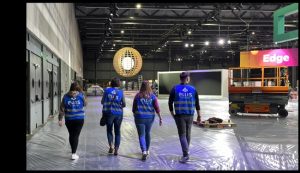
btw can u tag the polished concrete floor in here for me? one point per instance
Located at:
(257, 143)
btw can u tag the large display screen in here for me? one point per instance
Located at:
(206, 82)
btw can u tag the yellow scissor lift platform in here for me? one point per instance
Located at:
(258, 90)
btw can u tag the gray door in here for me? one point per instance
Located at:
(55, 90)
(36, 113)
(27, 95)
(46, 91)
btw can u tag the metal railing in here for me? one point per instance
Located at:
(243, 76)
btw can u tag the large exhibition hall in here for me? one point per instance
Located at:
(162, 86)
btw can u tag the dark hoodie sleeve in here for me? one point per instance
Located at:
(123, 100)
(102, 100)
(61, 109)
(134, 105)
(171, 99)
(197, 104)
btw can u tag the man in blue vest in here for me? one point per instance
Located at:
(185, 99)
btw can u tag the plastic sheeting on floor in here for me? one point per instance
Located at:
(257, 143)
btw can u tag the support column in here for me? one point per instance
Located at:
(170, 60)
(294, 77)
(95, 68)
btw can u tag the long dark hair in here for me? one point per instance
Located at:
(145, 90)
(115, 82)
(75, 87)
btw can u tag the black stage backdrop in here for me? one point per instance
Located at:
(206, 83)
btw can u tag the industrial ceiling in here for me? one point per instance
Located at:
(178, 27)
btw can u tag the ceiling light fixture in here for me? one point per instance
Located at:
(206, 43)
(138, 6)
(122, 31)
(221, 42)
(192, 45)
(110, 19)
(229, 42)
(186, 45)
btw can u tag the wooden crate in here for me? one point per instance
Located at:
(224, 124)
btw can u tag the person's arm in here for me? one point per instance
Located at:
(84, 100)
(155, 105)
(157, 110)
(171, 100)
(61, 112)
(197, 104)
(102, 100)
(123, 100)
(134, 105)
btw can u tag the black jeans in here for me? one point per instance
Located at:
(74, 128)
(115, 121)
(184, 124)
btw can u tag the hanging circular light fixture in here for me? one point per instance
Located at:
(127, 62)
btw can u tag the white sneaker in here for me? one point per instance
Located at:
(148, 152)
(75, 157)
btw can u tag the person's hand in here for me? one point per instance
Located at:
(160, 122)
(60, 123)
(198, 119)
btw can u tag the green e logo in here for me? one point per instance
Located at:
(278, 28)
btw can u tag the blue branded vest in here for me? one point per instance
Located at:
(184, 102)
(74, 107)
(112, 104)
(145, 108)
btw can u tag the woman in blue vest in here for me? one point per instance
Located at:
(72, 107)
(185, 99)
(144, 107)
(113, 102)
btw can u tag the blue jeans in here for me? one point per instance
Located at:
(143, 126)
(115, 121)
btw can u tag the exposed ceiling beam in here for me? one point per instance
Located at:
(169, 18)
(193, 9)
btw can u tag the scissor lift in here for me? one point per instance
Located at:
(258, 90)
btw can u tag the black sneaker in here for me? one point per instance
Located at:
(184, 159)
(144, 157)
(116, 152)
(111, 150)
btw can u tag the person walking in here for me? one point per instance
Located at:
(113, 102)
(144, 107)
(72, 108)
(185, 99)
